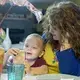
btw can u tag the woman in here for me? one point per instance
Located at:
(62, 20)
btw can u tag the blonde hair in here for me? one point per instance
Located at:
(36, 36)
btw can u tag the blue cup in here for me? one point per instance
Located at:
(15, 71)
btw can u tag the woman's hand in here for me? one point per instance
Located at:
(65, 46)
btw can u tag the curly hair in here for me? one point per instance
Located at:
(65, 16)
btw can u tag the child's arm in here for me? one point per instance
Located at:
(10, 52)
(42, 69)
(39, 70)
(6, 56)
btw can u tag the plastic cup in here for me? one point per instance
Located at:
(15, 71)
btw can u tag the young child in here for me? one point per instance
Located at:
(33, 47)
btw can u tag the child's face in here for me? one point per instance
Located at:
(33, 47)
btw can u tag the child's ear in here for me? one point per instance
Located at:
(42, 53)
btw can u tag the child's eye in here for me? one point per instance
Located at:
(34, 47)
(26, 45)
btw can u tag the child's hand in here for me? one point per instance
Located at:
(18, 59)
(13, 51)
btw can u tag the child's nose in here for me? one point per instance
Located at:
(29, 49)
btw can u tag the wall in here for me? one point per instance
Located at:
(23, 26)
(19, 28)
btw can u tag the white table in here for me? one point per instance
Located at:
(57, 77)
(28, 77)
(45, 77)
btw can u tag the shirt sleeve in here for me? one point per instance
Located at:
(68, 63)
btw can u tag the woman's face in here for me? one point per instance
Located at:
(55, 33)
